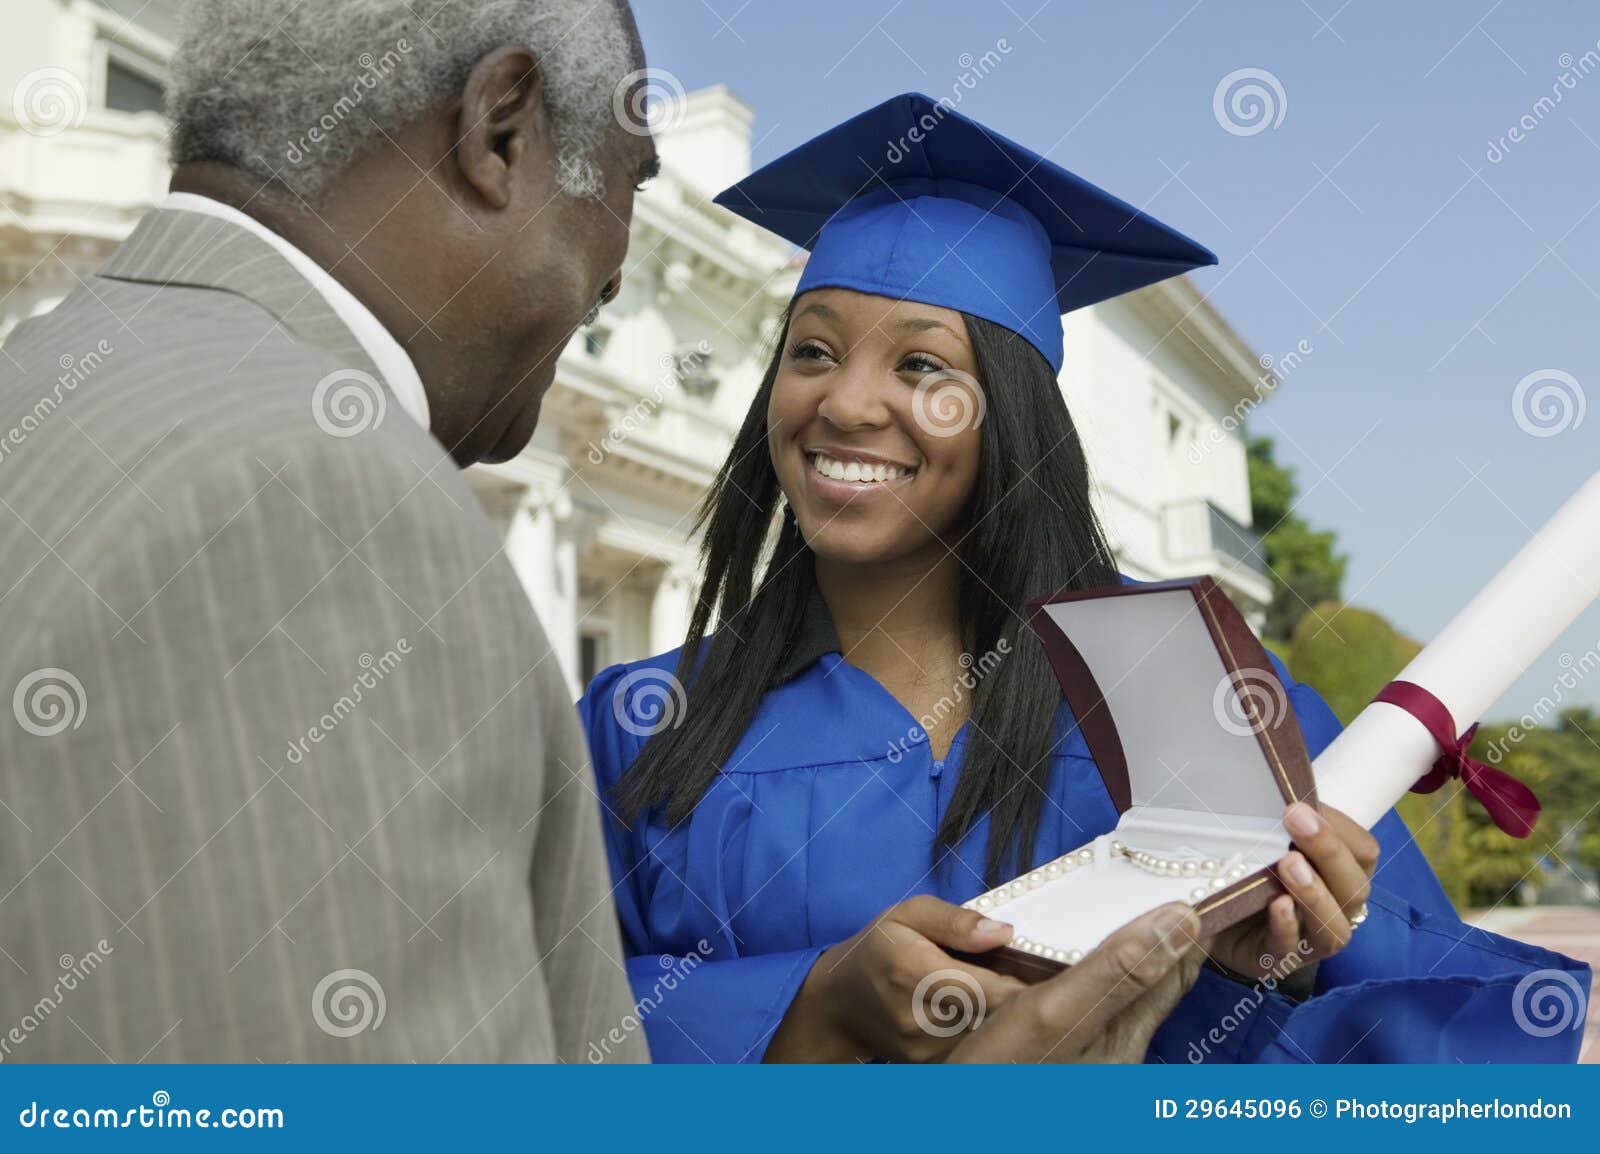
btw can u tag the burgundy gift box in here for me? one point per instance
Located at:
(1200, 751)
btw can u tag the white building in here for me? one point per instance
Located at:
(596, 511)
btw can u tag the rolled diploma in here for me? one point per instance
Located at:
(1471, 662)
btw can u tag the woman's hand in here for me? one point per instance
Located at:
(893, 992)
(1328, 875)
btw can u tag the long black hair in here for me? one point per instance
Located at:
(1030, 530)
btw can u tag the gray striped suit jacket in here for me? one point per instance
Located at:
(287, 769)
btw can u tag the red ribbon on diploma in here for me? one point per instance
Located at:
(1510, 803)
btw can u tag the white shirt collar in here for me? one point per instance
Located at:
(376, 341)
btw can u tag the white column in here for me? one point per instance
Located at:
(670, 608)
(541, 547)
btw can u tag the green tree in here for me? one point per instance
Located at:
(1560, 762)
(1304, 567)
(1347, 654)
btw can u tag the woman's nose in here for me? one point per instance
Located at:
(855, 400)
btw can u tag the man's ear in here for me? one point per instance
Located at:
(502, 121)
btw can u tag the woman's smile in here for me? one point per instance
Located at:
(842, 477)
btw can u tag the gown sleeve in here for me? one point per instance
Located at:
(698, 1001)
(1415, 984)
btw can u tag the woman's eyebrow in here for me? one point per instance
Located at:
(923, 324)
(820, 310)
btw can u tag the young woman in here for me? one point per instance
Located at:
(871, 735)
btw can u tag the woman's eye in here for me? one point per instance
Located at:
(808, 351)
(917, 363)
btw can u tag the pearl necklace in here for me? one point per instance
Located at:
(1219, 879)
(1164, 867)
(1048, 872)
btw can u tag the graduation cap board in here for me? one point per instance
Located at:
(914, 201)
(1199, 749)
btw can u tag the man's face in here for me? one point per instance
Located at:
(563, 257)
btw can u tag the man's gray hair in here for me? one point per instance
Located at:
(294, 89)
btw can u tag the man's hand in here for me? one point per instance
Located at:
(1105, 1008)
(893, 991)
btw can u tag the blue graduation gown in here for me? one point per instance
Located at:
(825, 816)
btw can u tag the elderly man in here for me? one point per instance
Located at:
(290, 771)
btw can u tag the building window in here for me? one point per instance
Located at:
(693, 368)
(592, 656)
(130, 90)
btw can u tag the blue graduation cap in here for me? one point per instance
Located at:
(914, 201)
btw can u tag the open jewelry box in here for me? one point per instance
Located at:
(1199, 748)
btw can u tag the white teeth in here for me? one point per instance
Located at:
(856, 471)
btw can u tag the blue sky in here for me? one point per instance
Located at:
(1370, 221)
